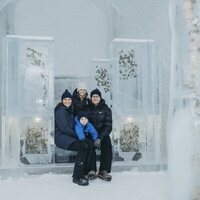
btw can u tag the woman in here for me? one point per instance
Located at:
(80, 98)
(65, 138)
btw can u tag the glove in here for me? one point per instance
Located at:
(97, 144)
(83, 145)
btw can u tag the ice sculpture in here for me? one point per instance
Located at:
(183, 144)
(136, 103)
(28, 96)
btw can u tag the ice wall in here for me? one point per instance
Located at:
(6, 24)
(183, 123)
(79, 28)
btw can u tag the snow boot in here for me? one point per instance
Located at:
(92, 175)
(104, 175)
(81, 181)
(78, 175)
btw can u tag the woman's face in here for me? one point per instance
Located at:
(67, 102)
(82, 92)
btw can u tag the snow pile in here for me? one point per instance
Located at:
(180, 155)
(125, 185)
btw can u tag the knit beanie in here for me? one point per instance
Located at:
(82, 85)
(96, 91)
(82, 114)
(66, 94)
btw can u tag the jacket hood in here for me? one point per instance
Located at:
(78, 121)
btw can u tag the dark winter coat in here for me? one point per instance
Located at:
(101, 117)
(64, 126)
(82, 131)
(78, 104)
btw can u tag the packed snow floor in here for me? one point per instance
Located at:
(124, 186)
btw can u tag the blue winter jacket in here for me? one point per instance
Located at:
(82, 131)
(64, 127)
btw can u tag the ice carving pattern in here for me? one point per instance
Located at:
(102, 78)
(127, 65)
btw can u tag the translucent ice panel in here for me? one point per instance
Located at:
(28, 72)
(136, 75)
(35, 145)
(136, 93)
(27, 100)
(35, 93)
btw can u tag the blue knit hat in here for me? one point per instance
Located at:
(82, 114)
(96, 91)
(66, 94)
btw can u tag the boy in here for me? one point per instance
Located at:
(85, 133)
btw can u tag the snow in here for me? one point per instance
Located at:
(131, 40)
(180, 155)
(30, 37)
(124, 186)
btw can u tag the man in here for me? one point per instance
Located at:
(100, 116)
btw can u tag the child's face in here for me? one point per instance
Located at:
(83, 120)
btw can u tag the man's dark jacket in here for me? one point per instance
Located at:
(101, 117)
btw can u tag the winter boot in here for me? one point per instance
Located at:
(104, 175)
(78, 175)
(92, 175)
(81, 181)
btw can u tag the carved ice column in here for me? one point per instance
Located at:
(136, 103)
(28, 94)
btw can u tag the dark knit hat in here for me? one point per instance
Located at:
(82, 114)
(66, 94)
(96, 91)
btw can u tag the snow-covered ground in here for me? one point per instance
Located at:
(124, 186)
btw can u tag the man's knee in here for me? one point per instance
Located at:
(106, 141)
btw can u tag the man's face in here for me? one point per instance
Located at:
(95, 99)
